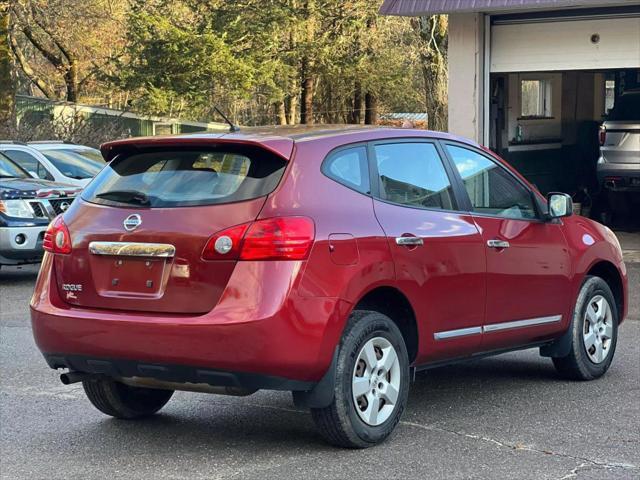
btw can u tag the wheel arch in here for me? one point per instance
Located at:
(394, 304)
(610, 274)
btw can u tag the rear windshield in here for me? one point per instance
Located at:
(184, 177)
(627, 107)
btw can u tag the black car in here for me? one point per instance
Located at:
(27, 205)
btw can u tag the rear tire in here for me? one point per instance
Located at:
(594, 333)
(372, 383)
(123, 401)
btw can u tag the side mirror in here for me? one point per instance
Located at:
(560, 205)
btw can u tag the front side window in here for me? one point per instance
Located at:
(186, 177)
(350, 168)
(492, 190)
(413, 174)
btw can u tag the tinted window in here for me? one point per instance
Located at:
(491, 188)
(627, 107)
(73, 163)
(413, 174)
(28, 162)
(350, 168)
(187, 177)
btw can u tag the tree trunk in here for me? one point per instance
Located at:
(7, 86)
(432, 33)
(281, 114)
(71, 83)
(370, 109)
(306, 97)
(356, 110)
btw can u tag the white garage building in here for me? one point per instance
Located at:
(533, 79)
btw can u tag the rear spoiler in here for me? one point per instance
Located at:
(283, 147)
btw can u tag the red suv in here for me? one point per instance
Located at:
(331, 263)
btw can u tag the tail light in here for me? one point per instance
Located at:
(57, 238)
(602, 134)
(278, 238)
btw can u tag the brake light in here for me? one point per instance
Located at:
(57, 238)
(278, 238)
(602, 134)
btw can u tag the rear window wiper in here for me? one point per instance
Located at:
(125, 196)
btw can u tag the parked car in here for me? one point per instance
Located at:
(56, 161)
(331, 263)
(26, 207)
(619, 163)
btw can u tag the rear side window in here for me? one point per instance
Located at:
(187, 177)
(350, 168)
(413, 174)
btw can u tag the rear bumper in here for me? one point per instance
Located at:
(619, 176)
(284, 338)
(122, 368)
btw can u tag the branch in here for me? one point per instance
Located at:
(28, 71)
(67, 54)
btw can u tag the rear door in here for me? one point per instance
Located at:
(139, 230)
(437, 250)
(528, 263)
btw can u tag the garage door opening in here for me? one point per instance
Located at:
(547, 125)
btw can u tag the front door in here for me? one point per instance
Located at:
(528, 263)
(437, 251)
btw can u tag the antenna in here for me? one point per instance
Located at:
(232, 126)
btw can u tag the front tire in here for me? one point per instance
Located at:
(123, 401)
(594, 333)
(372, 383)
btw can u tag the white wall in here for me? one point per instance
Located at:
(466, 59)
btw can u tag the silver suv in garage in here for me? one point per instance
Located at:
(619, 162)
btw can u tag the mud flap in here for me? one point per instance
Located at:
(321, 395)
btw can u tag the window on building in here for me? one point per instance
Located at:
(535, 101)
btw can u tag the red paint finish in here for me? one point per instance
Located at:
(434, 275)
(285, 317)
(530, 279)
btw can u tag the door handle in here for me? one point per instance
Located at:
(409, 241)
(497, 244)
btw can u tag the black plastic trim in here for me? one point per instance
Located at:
(124, 368)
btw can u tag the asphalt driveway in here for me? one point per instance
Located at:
(504, 417)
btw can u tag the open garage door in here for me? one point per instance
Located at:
(608, 42)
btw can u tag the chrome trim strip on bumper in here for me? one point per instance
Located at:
(133, 249)
(462, 332)
(496, 327)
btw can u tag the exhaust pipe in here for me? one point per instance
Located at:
(74, 377)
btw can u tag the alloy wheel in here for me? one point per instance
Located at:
(376, 381)
(597, 329)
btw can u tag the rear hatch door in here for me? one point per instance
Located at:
(139, 229)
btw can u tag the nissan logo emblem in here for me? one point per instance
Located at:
(64, 206)
(132, 222)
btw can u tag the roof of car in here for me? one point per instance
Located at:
(278, 139)
(56, 145)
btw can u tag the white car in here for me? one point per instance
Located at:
(56, 161)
